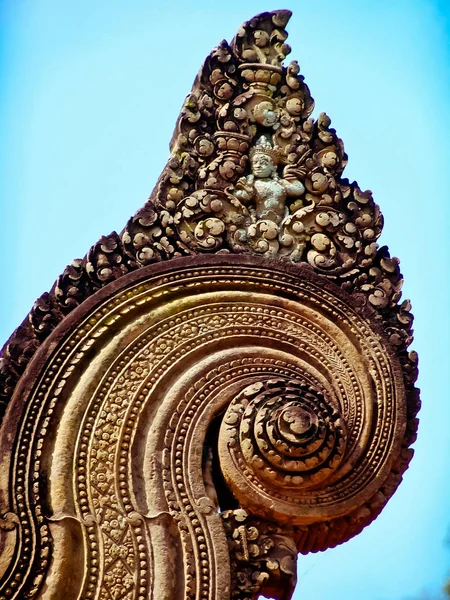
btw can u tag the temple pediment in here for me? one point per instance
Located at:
(225, 383)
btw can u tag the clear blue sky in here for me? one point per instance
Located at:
(90, 91)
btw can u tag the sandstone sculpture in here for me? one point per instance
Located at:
(225, 383)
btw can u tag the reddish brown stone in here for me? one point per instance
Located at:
(238, 346)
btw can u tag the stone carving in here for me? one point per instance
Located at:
(263, 556)
(334, 226)
(226, 382)
(288, 436)
(241, 93)
(300, 358)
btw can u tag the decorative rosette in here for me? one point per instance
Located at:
(290, 434)
(285, 434)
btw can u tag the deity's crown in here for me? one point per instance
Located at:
(263, 146)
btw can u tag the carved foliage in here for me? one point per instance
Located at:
(263, 557)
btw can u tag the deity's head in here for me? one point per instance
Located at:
(264, 158)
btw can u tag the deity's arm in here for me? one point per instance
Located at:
(243, 195)
(245, 189)
(293, 188)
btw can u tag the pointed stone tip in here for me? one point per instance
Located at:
(281, 17)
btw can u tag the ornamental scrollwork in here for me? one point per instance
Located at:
(263, 557)
(228, 380)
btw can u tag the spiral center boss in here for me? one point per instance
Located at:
(281, 433)
(296, 421)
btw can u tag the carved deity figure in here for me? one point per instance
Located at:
(264, 186)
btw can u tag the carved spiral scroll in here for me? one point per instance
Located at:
(290, 436)
(109, 427)
(313, 446)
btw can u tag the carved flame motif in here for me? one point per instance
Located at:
(223, 384)
(244, 95)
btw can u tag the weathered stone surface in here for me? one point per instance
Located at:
(226, 382)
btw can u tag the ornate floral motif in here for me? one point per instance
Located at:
(260, 110)
(268, 347)
(263, 557)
